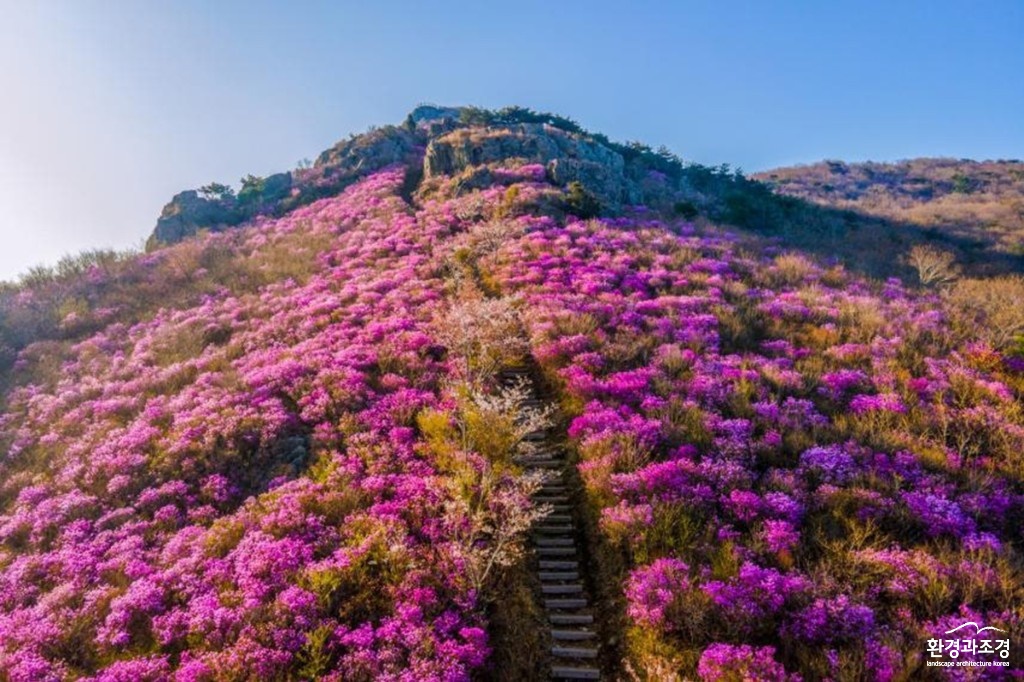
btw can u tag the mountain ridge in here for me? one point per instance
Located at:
(979, 199)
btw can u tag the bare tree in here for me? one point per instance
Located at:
(934, 266)
(491, 535)
(486, 334)
(493, 512)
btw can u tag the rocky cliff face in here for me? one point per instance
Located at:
(439, 142)
(187, 213)
(566, 156)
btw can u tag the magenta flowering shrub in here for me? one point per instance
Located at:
(731, 663)
(653, 590)
(752, 439)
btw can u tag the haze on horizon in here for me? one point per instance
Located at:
(113, 107)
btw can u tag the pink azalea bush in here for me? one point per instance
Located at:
(725, 662)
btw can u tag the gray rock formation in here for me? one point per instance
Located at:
(368, 152)
(276, 186)
(427, 114)
(568, 157)
(187, 213)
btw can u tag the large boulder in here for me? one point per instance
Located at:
(276, 187)
(427, 115)
(368, 152)
(568, 157)
(187, 213)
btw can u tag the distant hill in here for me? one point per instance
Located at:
(979, 204)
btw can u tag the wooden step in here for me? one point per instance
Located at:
(573, 652)
(572, 588)
(546, 576)
(550, 499)
(556, 551)
(554, 529)
(565, 672)
(546, 453)
(532, 456)
(571, 618)
(554, 542)
(558, 518)
(558, 565)
(543, 464)
(565, 603)
(524, 460)
(542, 453)
(572, 635)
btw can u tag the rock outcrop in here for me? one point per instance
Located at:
(368, 152)
(187, 213)
(568, 157)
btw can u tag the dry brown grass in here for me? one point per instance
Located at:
(990, 308)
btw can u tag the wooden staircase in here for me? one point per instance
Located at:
(573, 639)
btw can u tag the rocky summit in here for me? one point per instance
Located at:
(449, 142)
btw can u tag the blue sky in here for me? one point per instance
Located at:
(111, 107)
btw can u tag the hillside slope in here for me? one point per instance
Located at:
(977, 207)
(284, 450)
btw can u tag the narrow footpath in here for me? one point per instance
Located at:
(556, 545)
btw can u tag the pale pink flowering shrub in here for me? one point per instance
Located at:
(730, 663)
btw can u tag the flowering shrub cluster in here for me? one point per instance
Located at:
(798, 471)
(236, 487)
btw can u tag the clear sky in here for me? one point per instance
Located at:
(107, 108)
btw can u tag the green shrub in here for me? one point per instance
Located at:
(581, 202)
(686, 210)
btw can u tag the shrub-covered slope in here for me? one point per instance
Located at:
(280, 452)
(236, 487)
(976, 207)
(788, 467)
